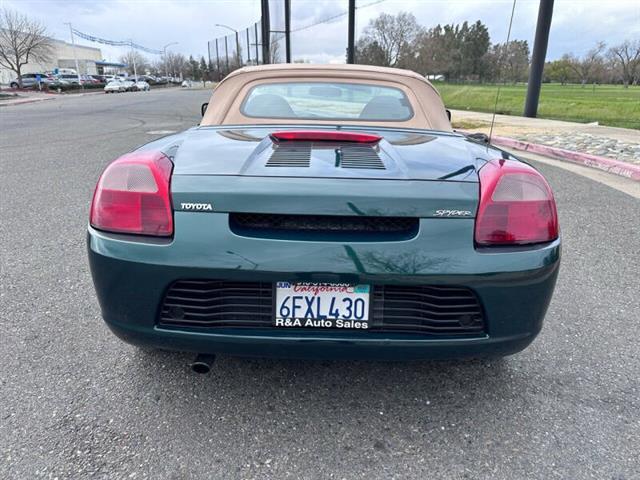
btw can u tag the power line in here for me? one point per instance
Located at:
(117, 43)
(500, 60)
(334, 17)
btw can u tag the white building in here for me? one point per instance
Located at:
(62, 56)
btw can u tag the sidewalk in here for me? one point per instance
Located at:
(10, 97)
(610, 142)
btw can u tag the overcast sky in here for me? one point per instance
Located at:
(577, 24)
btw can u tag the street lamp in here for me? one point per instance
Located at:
(164, 57)
(237, 41)
(75, 57)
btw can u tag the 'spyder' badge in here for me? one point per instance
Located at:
(453, 213)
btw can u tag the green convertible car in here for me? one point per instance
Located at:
(324, 212)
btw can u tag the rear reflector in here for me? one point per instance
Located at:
(324, 136)
(516, 206)
(132, 196)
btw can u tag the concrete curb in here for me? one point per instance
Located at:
(610, 165)
(26, 100)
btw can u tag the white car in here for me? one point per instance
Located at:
(129, 85)
(186, 83)
(142, 86)
(115, 86)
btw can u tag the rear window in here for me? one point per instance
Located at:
(327, 101)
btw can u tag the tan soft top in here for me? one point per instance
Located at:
(224, 105)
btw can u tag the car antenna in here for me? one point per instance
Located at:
(506, 46)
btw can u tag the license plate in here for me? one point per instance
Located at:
(322, 305)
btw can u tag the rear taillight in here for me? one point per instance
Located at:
(516, 206)
(132, 196)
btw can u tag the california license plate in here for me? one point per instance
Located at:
(322, 305)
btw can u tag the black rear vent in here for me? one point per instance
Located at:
(431, 310)
(360, 156)
(428, 308)
(294, 154)
(217, 303)
(323, 223)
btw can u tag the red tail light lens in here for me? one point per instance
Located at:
(324, 136)
(516, 206)
(132, 196)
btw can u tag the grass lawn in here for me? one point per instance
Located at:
(610, 105)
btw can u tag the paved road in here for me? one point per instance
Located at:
(75, 402)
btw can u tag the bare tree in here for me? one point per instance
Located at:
(274, 50)
(21, 41)
(387, 39)
(175, 64)
(587, 67)
(626, 58)
(134, 57)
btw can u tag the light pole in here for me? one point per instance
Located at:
(164, 57)
(133, 60)
(75, 56)
(237, 42)
(351, 38)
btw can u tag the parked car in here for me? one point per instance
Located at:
(129, 85)
(327, 212)
(89, 80)
(30, 80)
(59, 85)
(99, 78)
(71, 78)
(115, 86)
(142, 86)
(186, 84)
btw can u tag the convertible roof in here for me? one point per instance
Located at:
(224, 106)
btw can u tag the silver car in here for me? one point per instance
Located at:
(115, 86)
(30, 80)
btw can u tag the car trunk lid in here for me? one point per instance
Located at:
(402, 173)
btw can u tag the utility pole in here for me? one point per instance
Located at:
(133, 59)
(351, 39)
(164, 57)
(226, 53)
(238, 50)
(545, 13)
(248, 48)
(255, 27)
(287, 30)
(218, 61)
(237, 44)
(75, 56)
(266, 33)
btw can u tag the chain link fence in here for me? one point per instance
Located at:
(236, 50)
(244, 47)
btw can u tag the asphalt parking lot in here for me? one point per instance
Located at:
(75, 402)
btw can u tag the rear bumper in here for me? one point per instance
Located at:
(356, 347)
(514, 286)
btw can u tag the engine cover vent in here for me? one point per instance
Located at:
(361, 157)
(292, 154)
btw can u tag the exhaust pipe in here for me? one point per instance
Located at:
(202, 363)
